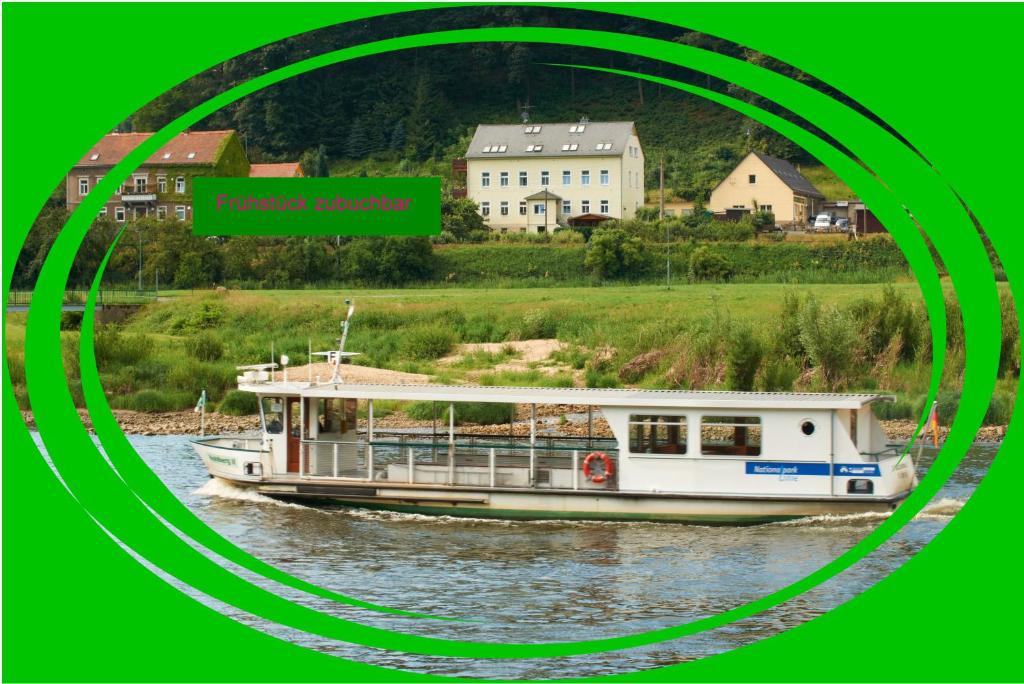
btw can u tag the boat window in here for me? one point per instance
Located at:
(807, 427)
(650, 434)
(273, 415)
(730, 436)
(337, 416)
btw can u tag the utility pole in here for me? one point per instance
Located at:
(661, 215)
(140, 257)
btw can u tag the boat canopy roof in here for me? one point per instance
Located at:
(645, 398)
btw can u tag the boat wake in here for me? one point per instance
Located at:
(943, 509)
(221, 489)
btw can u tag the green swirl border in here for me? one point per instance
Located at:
(115, 500)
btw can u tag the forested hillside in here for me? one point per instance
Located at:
(410, 107)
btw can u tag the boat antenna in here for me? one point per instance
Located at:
(344, 336)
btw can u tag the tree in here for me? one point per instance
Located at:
(460, 218)
(612, 253)
(743, 359)
(314, 163)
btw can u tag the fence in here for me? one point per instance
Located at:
(108, 297)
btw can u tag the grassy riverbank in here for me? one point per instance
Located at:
(756, 336)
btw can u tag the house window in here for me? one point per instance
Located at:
(161, 183)
(730, 436)
(585, 207)
(604, 206)
(103, 211)
(566, 207)
(485, 208)
(485, 180)
(179, 185)
(539, 208)
(504, 208)
(83, 186)
(179, 211)
(752, 178)
(766, 207)
(523, 178)
(140, 185)
(522, 208)
(604, 177)
(503, 179)
(657, 434)
(545, 178)
(119, 214)
(584, 177)
(161, 212)
(566, 177)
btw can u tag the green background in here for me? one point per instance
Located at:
(78, 608)
(421, 217)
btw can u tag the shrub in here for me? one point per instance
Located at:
(596, 378)
(204, 346)
(151, 401)
(830, 337)
(567, 236)
(428, 342)
(612, 253)
(744, 357)
(112, 348)
(537, 324)
(778, 375)
(1009, 350)
(901, 409)
(1000, 408)
(238, 403)
(71, 320)
(708, 265)
(481, 413)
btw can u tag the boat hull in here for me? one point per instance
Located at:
(571, 505)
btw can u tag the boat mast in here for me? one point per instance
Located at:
(336, 377)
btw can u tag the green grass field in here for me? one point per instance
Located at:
(694, 336)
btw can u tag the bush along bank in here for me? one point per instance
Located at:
(621, 257)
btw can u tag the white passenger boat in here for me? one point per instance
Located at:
(688, 456)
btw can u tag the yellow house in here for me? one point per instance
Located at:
(534, 177)
(763, 182)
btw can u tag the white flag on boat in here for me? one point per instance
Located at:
(201, 404)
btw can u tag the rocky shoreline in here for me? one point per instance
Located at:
(187, 423)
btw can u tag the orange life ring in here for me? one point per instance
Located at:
(609, 467)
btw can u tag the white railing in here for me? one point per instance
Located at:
(556, 464)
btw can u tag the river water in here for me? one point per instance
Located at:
(543, 581)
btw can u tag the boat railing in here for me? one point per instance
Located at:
(418, 459)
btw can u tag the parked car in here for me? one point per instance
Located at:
(843, 225)
(822, 222)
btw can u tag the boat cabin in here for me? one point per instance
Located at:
(608, 440)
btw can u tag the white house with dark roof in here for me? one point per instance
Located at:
(768, 183)
(533, 177)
